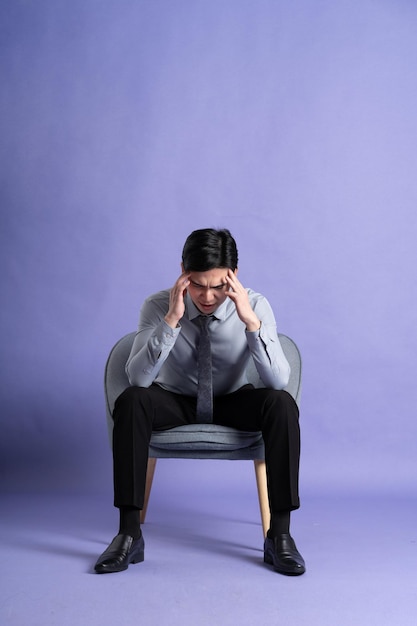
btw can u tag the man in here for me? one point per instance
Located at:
(205, 331)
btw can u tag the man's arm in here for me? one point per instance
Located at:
(261, 334)
(152, 344)
(267, 353)
(157, 333)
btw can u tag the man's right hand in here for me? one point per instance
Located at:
(176, 300)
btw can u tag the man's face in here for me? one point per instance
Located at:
(208, 289)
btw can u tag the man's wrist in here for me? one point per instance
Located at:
(171, 321)
(253, 326)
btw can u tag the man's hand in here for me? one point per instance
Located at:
(176, 301)
(240, 297)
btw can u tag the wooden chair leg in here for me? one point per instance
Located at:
(260, 471)
(148, 486)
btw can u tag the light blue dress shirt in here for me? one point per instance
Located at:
(168, 356)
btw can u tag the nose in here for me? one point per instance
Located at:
(207, 291)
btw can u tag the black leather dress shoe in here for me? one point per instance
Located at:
(122, 551)
(282, 553)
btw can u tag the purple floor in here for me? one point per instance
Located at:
(203, 558)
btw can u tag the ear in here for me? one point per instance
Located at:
(182, 268)
(235, 271)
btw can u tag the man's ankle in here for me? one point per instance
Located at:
(280, 524)
(130, 522)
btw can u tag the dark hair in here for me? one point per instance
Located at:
(208, 249)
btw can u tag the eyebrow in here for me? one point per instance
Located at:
(214, 286)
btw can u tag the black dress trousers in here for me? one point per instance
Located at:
(139, 410)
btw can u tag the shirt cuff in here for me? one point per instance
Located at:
(167, 335)
(259, 341)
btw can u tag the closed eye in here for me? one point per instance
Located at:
(216, 287)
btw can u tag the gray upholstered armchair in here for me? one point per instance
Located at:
(201, 441)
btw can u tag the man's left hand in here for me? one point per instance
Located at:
(240, 297)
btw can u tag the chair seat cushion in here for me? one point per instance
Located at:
(204, 437)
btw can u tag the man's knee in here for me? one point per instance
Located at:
(280, 395)
(280, 402)
(127, 395)
(128, 398)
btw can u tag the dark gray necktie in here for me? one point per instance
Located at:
(205, 382)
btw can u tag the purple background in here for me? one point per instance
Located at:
(127, 124)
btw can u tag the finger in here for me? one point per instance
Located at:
(235, 287)
(230, 278)
(233, 279)
(182, 281)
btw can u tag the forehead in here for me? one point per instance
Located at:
(211, 278)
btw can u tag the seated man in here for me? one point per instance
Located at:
(188, 365)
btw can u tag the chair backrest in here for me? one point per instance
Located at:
(116, 381)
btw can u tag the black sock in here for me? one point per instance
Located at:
(130, 521)
(280, 524)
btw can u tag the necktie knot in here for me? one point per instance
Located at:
(204, 320)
